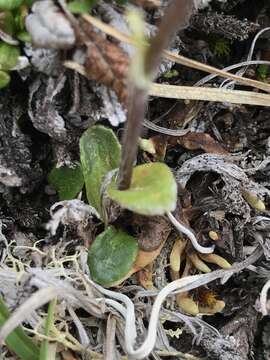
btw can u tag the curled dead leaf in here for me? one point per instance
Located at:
(175, 255)
(208, 302)
(195, 141)
(198, 263)
(106, 63)
(216, 259)
(213, 235)
(187, 304)
(254, 201)
(216, 308)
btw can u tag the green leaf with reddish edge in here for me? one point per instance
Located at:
(100, 153)
(153, 190)
(68, 181)
(111, 256)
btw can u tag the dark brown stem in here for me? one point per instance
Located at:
(136, 111)
(176, 16)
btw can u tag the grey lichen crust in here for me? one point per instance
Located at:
(226, 26)
(16, 163)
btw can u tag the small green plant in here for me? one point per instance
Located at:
(220, 46)
(67, 190)
(108, 169)
(262, 72)
(170, 74)
(152, 192)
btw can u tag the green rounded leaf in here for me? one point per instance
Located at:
(10, 4)
(8, 56)
(68, 181)
(111, 256)
(100, 153)
(153, 190)
(4, 79)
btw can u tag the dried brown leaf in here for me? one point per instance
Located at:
(151, 231)
(160, 144)
(106, 63)
(195, 141)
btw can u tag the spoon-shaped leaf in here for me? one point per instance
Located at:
(111, 256)
(153, 190)
(100, 153)
(68, 181)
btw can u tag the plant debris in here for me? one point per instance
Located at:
(134, 216)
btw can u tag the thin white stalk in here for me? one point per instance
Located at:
(178, 286)
(263, 298)
(183, 229)
(128, 312)
(207, 78)
(230, 84)
(84, 339)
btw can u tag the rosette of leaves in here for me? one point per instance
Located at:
(115, 254)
